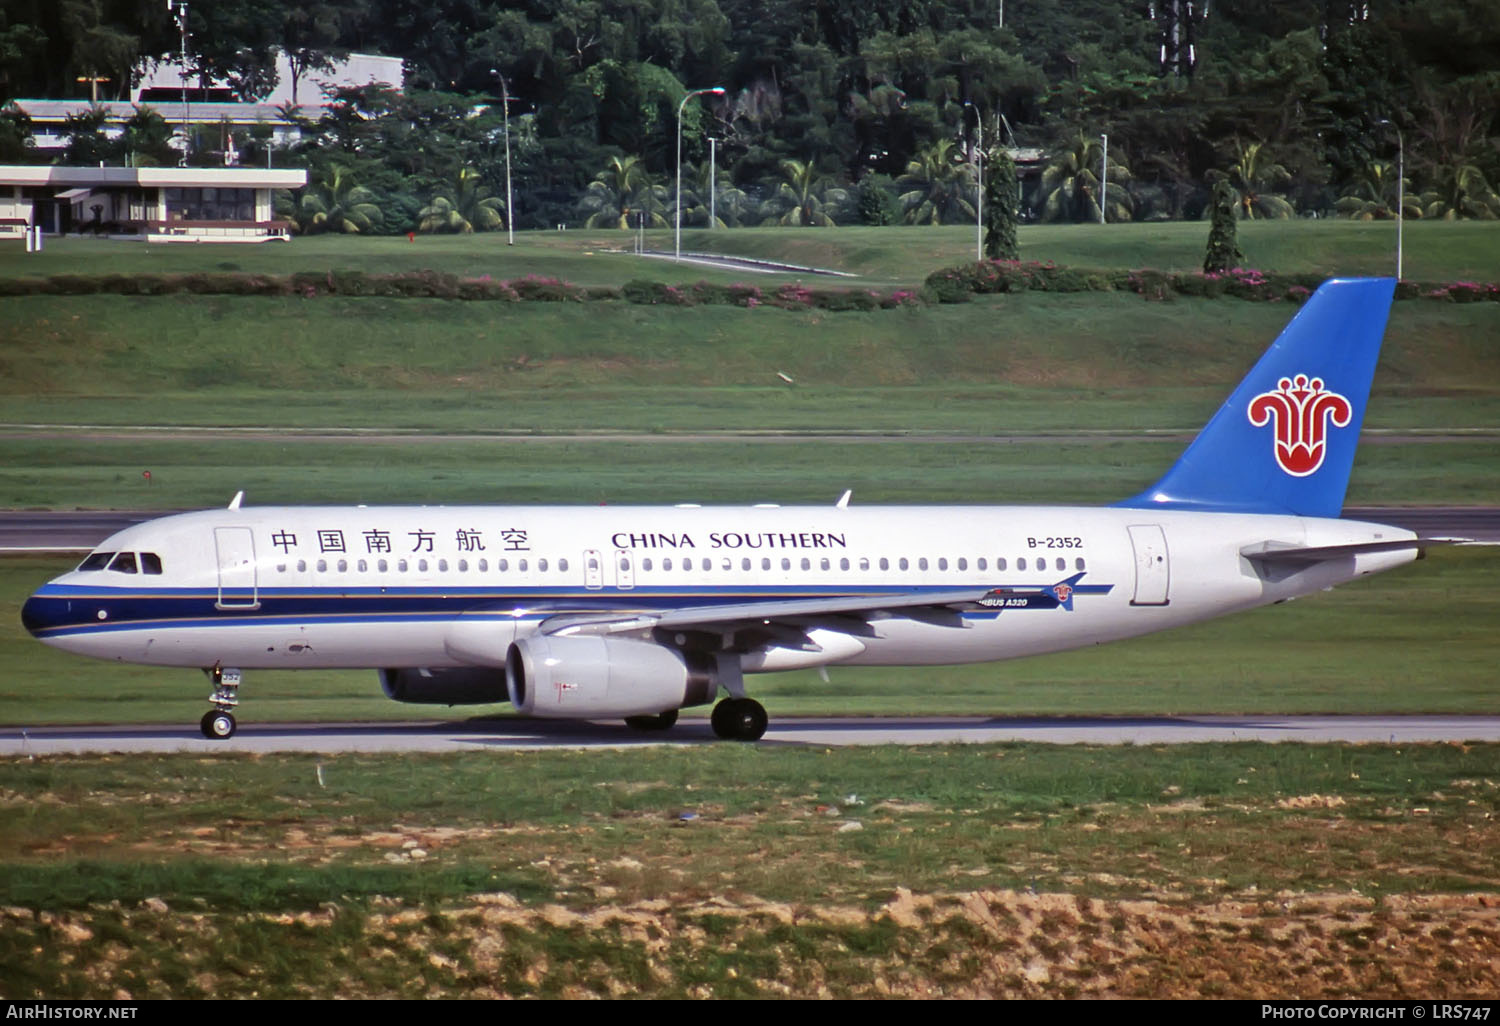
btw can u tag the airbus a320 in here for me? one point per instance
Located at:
(638, 612)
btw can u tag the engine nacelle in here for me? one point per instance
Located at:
(587, 676)
(449, 686)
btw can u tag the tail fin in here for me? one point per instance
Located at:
(1284, 441)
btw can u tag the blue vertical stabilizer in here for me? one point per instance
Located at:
(1284, 441)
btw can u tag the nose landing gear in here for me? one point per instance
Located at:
(218, 723)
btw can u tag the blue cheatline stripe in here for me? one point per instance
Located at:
(176, 608)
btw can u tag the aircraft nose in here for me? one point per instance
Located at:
(39, 613)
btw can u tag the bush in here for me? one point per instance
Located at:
(846, 299)
(951, 285)
(547, 290)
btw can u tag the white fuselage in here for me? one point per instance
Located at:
(377, 587)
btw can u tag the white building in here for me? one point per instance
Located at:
(151, 204)
(162, 82)
(160, 87)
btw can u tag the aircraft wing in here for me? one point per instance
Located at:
(940, 606)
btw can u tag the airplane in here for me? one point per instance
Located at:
(638, 612)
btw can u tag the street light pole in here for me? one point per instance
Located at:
(179, 9)
(713, 192)
(715, 91)
(1103, 176)
(510, 211)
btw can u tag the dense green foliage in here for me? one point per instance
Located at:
(1298, 103)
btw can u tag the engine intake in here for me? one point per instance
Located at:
(605, 677)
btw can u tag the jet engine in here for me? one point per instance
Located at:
(454, 686)
(587, 676)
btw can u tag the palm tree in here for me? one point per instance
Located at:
(938, 186)
(1254, 175)
(465, 208)
(620, 193)
(1070, 184)
(1460, 191)
(730, 203)
(1372, 195)
(339, 204)
(804, 198)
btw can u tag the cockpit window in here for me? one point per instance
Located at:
(124, 563)
(96, 561)
(150, 563)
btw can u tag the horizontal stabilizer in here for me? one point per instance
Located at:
(1268, 552)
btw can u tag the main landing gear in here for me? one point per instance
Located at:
(739, 719)
(218, 723)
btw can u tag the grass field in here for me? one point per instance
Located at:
(1243, 870)
(1005, 364)
(1434, 252)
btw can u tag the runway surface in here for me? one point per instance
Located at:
(504, 734)
(32, 530)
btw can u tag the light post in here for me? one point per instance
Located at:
(510, 211)
(1400, 189)
(179, 9)
(713, 191)
(1103, 175)
(979, 188)
(715, 91)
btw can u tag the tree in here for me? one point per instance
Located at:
(804, 198)
(1223, 249)
(877, 203)
(939, 186)
(1070, 184)
(1002, 199)
(1255, 174)
(16, 144)
(621, 193)
(466, 207)
(339, 204)
(1372, 195)
(147, 139)
(1460, 192)
(87, 145)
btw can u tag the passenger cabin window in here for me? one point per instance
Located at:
(96, 561)
(124, 563)
(1078, 563)
(1021, 563)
